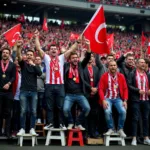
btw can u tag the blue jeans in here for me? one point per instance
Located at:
(28, 99)
(118, 103)
(70, 99)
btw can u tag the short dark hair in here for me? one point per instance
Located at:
(53, 45)
(73, 53)
(30, 50)
(111, 55)
(6, 48)
(129, 55)
(147, 61)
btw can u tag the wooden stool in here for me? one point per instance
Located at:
(71, 137)
(113, 137)
(40, 125)
(27, 136)
(56, 137)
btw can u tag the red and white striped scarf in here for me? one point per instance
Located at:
(113, 87)
(142, 84)
(55, 69)
(74, 74)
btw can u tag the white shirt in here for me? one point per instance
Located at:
(16, 97)
(61, 62)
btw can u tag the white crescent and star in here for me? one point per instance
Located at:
(13, 40)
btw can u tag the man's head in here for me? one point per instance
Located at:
(38, 60)
(53, 51)
(6, 53)
(140, 64)
(109, 58)
(103, 60)
(30, 55)
(112, 66)
(129, 60)
(147, 63)
(74, 58)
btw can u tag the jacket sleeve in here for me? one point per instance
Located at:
(132, 88)
(37, 70)
(13, 77)
(120, 61)
(98, 62)
(86, 60)
(101, 89)
(125, 88)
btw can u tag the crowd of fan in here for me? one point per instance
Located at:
(127, 3)
(123, 41)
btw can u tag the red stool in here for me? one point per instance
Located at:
(71, 137)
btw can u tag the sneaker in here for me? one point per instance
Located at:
(32, 131)
(134, 142)
(21, 132)
(49, 126)
(39, 121)
(121, 133)
(147, 141)
(109, 132)
(62, 126)
(70, 126)
(79, 127)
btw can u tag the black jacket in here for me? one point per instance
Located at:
(133, 90)
(81, 66)
(96, 77)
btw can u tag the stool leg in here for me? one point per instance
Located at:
(33, 141)
(123, 142)
(36, 142)
(21, 141)
(48, 138)
(80, 138)
(63, 140)
(18, 143)
(107, 140)
(70, 138)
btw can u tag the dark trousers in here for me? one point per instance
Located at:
(6, 100)
(16, 115)
(143, 107)
(40, 104)
(54, 94)
(93, 115)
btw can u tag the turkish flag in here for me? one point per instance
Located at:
(95, 32)
(110, 40)
(74, 36)
(148, 52)
(21, 18)
(143, 39)
(45, 27)
(13, 34)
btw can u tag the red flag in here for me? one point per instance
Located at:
(148, 52)
(45, 27)
(21, 18)
(13, 34)
(110, 40)
(143, 39)
(74, 36)
(62, 24)
(96, 32)
(29, 35)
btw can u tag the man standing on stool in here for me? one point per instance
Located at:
(75, 88)
(28, 90)
(113, 91)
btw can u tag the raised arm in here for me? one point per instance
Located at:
(37, 44)
(18, 48)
